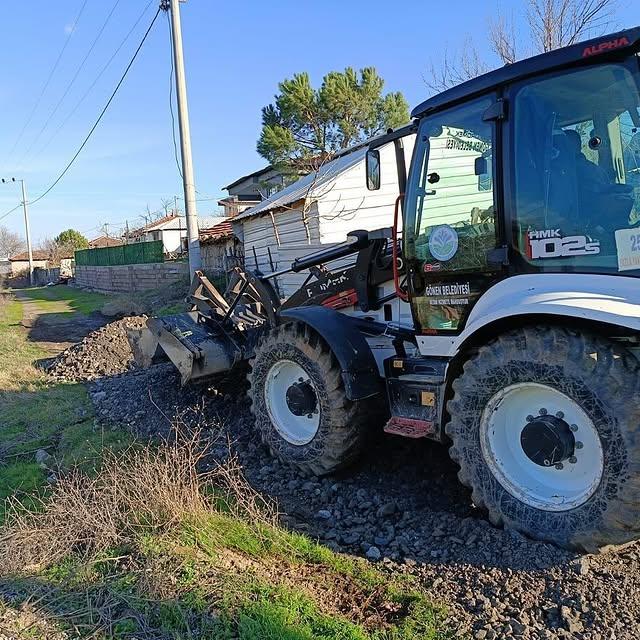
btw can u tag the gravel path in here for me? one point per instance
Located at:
(402, 507)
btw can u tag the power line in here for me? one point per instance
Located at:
(73, 79)
(104, 110)
(93, 84)
(46, 84)
(4, 215)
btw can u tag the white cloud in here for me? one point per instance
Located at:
(69, 28)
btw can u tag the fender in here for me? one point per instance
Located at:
(609, 299)
(359, 369)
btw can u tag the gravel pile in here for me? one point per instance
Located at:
(402, 507)
(104, 352)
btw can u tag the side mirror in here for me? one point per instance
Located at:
(373, 169)
(481, 166)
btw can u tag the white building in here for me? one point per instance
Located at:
(172, 230)
(319, 210)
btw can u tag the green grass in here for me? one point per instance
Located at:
(64, 299)
(36, 413)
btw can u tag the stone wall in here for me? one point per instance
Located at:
(131, 277)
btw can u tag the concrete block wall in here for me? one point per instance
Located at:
(131, 277)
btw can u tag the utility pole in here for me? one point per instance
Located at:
(195, 261)
(27, 227)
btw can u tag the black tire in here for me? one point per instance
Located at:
(604, 380)
(341, 432)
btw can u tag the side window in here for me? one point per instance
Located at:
(454, 218)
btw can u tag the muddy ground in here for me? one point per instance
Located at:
(401, 506)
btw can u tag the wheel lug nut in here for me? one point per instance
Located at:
(543, 412)
(547, 463)
(573, 459)
(559, 466)
(579, 445)
(309, 415)
(530, 418)
(300, 380)
(574, 427)
(559, 415)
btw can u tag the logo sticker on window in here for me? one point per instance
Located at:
(628, 249)
(443, 243)
(550, 243)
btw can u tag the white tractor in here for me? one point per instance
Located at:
(521, 271)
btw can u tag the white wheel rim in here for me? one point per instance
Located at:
(296, 429)
(546, 488)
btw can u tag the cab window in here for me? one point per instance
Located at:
(577, 170)
(450, 217)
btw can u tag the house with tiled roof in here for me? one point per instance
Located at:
(219, 248)
(42, 259)
(172, 230)
(104, 241)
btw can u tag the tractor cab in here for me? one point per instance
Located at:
(531, 169)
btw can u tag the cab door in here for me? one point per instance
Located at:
(451, 232)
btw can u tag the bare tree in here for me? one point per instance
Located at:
(10, 243)
(166, 204)
(550, 24)
(502, 36)
(558, 23)
(455, 68)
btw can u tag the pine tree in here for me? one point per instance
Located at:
(305, 127)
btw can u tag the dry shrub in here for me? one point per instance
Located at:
(140, 490)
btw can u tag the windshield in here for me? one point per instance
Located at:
(577, 170)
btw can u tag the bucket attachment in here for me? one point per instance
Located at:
(195, 348)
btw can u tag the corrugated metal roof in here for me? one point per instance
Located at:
(310, 186)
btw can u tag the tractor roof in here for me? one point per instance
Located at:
(580, 53)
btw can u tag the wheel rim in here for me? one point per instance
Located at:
(291, 398)
(541, 447)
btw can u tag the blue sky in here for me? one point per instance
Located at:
(236, 53)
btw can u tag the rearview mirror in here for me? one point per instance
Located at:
(373, 169)
(481, 167)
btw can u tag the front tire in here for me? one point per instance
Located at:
(299, 403)
(545, 426)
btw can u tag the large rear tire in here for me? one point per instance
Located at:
(545, 426)
(299, 403)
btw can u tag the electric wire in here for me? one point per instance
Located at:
(48, 81)
(104, 110)
(4, 215)
(72, 81)
(95, 81)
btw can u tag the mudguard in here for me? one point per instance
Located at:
(359, 369)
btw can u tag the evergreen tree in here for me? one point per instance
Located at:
(305, 127)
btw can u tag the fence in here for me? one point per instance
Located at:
(136, 253)
(133, 277)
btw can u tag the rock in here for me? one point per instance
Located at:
(581, 566)
(570, 620)
(324, 514)
(373, 553)
(42, 457)
(99, 396)
(387, 509)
